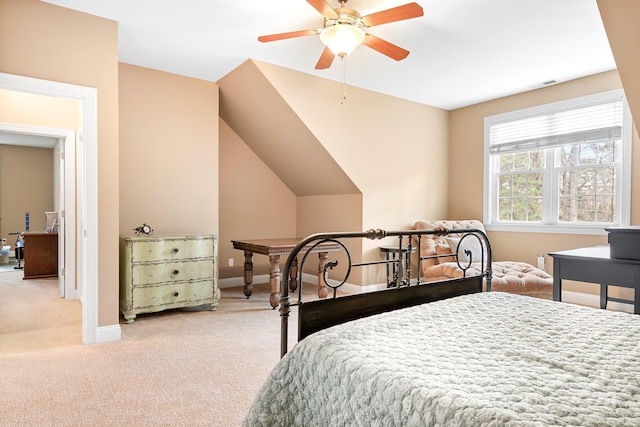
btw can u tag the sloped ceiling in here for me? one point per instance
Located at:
(255, 110)
(620, 18)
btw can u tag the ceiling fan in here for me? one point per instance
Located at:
(345, 29)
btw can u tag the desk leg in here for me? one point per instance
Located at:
(274, 280)
(248, 273)
(322, 286)
(604, 296)
(557, 280)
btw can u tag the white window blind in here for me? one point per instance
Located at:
(587, 124)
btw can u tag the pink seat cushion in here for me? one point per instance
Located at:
(508, 276)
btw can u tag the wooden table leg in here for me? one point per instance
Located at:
(274, 280)
(293, 275)
(248, 273)
(322, 286)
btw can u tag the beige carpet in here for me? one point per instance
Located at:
(33, 316)
(176, 368)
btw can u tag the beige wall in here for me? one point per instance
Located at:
(48, 42)
(466, 169)
(334, 213)
(26, 185)
(395, 152)
(168, 152)
(36, 110)
(254, 203)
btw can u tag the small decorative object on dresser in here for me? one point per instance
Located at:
(159, 273)
(144, 229)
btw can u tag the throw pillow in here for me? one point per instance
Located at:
(444, 250)
(470, 244)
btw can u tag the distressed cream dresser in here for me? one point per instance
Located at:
(159, 273)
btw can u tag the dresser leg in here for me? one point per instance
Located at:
(129, 318)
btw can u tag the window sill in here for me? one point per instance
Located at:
(597, 230)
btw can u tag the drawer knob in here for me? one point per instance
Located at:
(175, 250)
(175, 272)
(175, 294)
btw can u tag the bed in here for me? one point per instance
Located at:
(447, 353)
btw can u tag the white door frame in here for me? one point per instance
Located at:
(87, 165)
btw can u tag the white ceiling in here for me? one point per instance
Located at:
(462, 51)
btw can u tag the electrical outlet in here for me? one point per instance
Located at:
(230, 262)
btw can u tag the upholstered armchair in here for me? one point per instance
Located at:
(508, 276)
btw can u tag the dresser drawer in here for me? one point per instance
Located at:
(178, 294)
(146, 274)
(171, 249)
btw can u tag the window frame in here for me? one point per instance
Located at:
(623, 184)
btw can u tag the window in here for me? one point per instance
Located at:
(562, 167)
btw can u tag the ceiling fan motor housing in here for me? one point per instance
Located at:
(344, 33)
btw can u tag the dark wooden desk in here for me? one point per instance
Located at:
(40, 255)
(274, 248)
(594, 265)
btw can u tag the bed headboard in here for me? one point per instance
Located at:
(316, 315)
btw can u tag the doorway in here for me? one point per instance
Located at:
(87, 207)
(61, 144)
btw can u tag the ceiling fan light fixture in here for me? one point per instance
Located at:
(342, 39)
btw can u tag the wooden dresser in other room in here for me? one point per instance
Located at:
(40, 255)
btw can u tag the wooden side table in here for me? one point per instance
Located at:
(397, 257)
(274, 248)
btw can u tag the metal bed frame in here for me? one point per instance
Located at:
(316, 315)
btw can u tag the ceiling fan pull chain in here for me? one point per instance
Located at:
(344, 85)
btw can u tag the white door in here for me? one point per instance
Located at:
(59, 207)
(65, 206)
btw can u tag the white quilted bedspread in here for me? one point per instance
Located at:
(490, 359)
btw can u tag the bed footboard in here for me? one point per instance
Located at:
(316, 315)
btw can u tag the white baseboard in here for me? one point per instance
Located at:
(233, 282)
(592, 300)
(109, 334)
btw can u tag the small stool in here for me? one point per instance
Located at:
(392, 253)
(19, 252)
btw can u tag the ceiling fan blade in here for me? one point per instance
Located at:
(324, 8)
(407, 11)
(326, 59)
(385, 48)
(288, 35)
